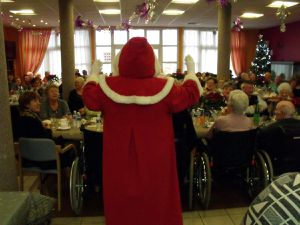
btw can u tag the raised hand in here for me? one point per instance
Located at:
(190, 64)
(96, 67)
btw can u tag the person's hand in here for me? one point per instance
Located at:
(190, 64)
(96, 67)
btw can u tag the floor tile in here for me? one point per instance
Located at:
(66, 221)
(210, 213)
(192, 221)
(217, 220)
(237, 219)
(234, 211)
(191, 214)
(93, 220)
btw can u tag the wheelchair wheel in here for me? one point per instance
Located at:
(191, 178)
(76, 187)
(257, 175)
(203, 180)
(269, 164)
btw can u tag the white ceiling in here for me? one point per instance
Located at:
(200, 14)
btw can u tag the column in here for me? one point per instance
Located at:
(67, 45)
(8, 174)
(224, 35)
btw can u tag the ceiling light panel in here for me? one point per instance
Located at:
(251, 15)
(110, 11)
(23, 12)
(106, 0)
(172, 12)
(278, 4)
(5, 1)
(184, 1)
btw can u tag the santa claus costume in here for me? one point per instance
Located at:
(140, 184)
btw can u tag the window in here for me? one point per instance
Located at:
(169, 59)
(109, 43)
(203, 47)
(82, 53)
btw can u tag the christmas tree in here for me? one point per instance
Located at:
(262, 61)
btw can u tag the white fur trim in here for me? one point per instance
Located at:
(193, 77)
(133, 99)
(93, 78)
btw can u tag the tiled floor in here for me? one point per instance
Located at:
(228, 216)
(232, 216)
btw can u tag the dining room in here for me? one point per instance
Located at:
(243, 56)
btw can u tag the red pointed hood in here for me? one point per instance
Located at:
(137, 59)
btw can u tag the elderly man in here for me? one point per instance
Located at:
(254, 99)
(271, 138)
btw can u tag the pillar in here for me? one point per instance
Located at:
(8, 174)
(224, 35)
(66, 18)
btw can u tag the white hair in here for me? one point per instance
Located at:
(284, 87)
(287, 108)
(239, 101)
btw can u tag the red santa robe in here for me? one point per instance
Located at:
(140, 184)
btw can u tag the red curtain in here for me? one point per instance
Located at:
(238, 51)
(32, 48)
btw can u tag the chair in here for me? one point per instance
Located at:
(232, 153)
(41, 150)
(283, 156)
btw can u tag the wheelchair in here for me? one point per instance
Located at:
(233, 154)
(86, 169)
(283, 155)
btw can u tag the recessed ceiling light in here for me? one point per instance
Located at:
(46, 23)
(4, 1)
(173, 12)
(17, 19)
(33, 25)
(184, 1)
(42, 21)
(23, 21)
(23, 12)
(110, 11)
(251, 15)
(106, 0)
(278, 4)
(11, 16)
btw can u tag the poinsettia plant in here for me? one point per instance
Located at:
(213, 101)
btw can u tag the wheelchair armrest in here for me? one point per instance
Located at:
(66, 148)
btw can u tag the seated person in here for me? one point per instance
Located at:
(212, 98)
(75, 97)
(270, 138)
(235, 120)
(31, 127)
(227, 88)
(52, 106)
(254, 99)
(185, 140)
(284, 91)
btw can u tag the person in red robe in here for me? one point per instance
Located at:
(140, 185)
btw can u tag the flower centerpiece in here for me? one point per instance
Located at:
(213, 101)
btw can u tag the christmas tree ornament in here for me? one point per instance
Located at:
(282, 13)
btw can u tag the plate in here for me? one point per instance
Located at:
(63, 128)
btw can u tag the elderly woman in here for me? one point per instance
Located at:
(285, 91)
(235, 120)
(31, 126)
(30, 122)
(75, 96)
(52, 106)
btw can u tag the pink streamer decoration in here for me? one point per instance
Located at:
(238, 24)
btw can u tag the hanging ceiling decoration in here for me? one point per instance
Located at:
(222, 2)
(238, 24)
(282, 13)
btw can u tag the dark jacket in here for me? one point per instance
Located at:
(75, 101)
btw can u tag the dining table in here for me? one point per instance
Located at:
(22, 208)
